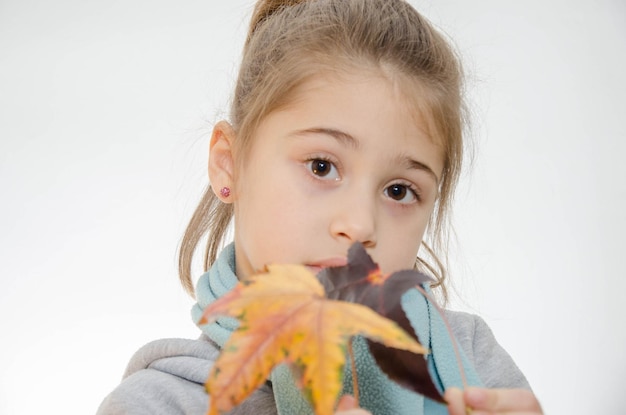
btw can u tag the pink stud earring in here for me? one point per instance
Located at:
(225, 191)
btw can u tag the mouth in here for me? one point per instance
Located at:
(316, 267)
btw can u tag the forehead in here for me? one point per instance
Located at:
(367, 106)
(412, 96)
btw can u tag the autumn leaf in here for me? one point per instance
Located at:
(285, 317)
(361, 281)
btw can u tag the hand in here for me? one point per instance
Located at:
(483, 401)
(349, 406)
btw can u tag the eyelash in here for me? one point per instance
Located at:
(333, 165)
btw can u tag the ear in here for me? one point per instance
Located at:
(221, 163)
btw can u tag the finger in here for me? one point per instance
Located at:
(501, 400)
(454, 398)
(347, 402)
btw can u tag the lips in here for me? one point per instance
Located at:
(317, 266)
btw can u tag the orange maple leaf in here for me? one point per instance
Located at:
(284, 317)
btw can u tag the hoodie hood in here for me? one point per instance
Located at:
(187, 359)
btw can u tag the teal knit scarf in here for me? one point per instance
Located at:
(377, 393)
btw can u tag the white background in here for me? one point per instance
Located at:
(105, 107)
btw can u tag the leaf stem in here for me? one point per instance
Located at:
(355, 379)
(455, 346)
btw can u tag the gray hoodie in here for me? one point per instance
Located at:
(167, 376)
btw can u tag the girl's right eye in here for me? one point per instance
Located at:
(324, 169)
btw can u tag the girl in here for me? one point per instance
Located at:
(346, 126)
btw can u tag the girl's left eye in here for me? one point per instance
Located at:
(323, 169)
(401, 193)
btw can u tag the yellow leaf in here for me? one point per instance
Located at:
(285, 318)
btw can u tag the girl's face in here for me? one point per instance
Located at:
(346, 161)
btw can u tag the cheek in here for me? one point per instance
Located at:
(272, 205)
(401, 242)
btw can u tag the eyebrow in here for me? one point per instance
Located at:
(352, 142)
(340, 136)
(418, 165)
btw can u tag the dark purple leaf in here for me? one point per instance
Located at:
(361, 281)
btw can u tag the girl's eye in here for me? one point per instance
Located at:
(323, 168)
(401, 193)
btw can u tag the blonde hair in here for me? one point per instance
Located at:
(290, 41)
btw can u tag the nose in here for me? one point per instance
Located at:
(354, 220)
